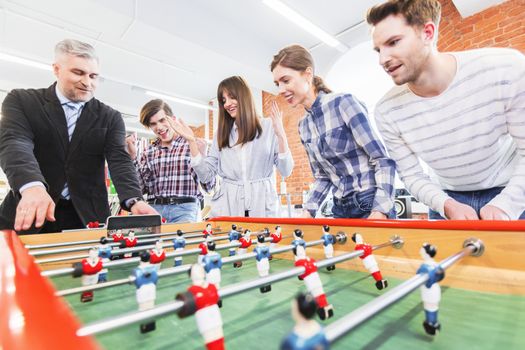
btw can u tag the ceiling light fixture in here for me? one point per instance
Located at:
(302, 22)
(27, 62)
(180, 100)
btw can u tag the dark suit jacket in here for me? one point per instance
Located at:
(34, 146)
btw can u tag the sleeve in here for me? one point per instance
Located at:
(417, 182)
(512, 199)
(16, 144)
(283, 161)
(206, 167)
(144, 173)
(120, 165)
(355, 116)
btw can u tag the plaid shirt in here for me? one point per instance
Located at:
(345, 154)
(166, 171)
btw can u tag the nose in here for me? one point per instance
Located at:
(281, 89)
(384, 57)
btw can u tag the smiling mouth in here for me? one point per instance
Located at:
(392, 69)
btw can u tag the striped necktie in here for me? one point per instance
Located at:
(71, 110)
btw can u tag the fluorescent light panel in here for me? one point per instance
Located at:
(302, 22)
(24, 61)
(179, 100)
(48, 67)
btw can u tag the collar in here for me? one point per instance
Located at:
(317, 102)
(64, 100)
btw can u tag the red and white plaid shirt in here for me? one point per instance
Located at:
(166, 171)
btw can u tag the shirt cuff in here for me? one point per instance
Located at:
(31, 184)
(196, 160)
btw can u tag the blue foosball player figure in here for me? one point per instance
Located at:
(179, 244)
(233, 237)
(431, 291)
(104, 252)
(328, 245)
(146, 282)
(307, 334)
(262, 257)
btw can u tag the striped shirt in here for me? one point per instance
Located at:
(344, 153)
(166, 172)
(472, 136)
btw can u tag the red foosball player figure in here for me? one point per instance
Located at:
(203, 246)
(276, 238)
(369, 261)
(89, 268)
(313, 282)
(207, 231)
(129, 242)
(157, 255)
(118, 236)
(245, 242)
(307, 334)
(201, 299)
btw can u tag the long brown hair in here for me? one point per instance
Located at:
(298, 58)
(248, 124)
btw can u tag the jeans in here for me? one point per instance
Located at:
(357, 205)
(184, 212)
(475, 199)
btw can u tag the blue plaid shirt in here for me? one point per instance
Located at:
(344, 153)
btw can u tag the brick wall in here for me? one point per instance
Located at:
(301, 176)
(498, 26)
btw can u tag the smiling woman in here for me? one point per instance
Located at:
(244, 153)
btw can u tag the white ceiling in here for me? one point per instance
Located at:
(178, 47)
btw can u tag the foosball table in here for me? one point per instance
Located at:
(366, 279)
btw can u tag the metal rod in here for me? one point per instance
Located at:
(65, 271)
(170, 271)
(168, 308)
(91, 241)
(116, 251)
(345, 324)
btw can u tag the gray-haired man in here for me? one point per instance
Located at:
(53, 146)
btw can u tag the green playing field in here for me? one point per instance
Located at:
(470, 320)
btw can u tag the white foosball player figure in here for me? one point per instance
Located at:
(233, 237)
(201, 300)
(369, 260)
(212, 265)
(313, 282)
(328, 245)
(245, 242)
(262, 258)
(179, 243)
(104, 252)
(146, 282)
(431, 291)
(157, 254)
(298, 240)
(89, 268)
(207, 231)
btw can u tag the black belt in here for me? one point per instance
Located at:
(172, 200)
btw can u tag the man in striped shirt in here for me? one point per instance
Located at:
(461, 113)
(164, 169)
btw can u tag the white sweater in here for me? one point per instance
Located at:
(472, 136)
